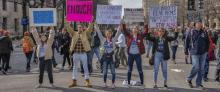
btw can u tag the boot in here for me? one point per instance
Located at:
(74, 83)
(87, 83)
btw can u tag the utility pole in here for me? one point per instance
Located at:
(42, 5)
(24, 11)
(64, 13)
(55, 5)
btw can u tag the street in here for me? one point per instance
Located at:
(20, 81)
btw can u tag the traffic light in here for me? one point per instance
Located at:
(201, 4)
(191, 5)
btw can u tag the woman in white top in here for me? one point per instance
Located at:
(44, 53)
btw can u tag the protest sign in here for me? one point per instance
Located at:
(163, 16)
(79, 10)
(43, 16)
(108, 14)
(132, 15)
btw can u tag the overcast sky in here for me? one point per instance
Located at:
(127, 4)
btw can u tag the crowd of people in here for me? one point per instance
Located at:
(79, 44)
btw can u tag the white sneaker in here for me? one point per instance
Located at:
(142, 86)
(127, 85)
(39, 86)
(52, 86)
(113, 86)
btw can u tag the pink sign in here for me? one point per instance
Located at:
(79, 10)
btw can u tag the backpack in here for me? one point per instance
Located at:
(26, 45)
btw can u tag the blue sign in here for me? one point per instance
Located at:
(43, 17)
(24, 21)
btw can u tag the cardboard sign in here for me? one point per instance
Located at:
(132, 15)
(108, 14)
(43, 16)
(79, 10)
(163, 16)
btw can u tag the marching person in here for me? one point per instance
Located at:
(44, 54)
(1, 36)
(217, 73)
(95, 44)
(108, 44)
(197, 42)
(28, 45)
(79, 47)
(135, 50)
(161, 52)
(6, 48)
(122, 47)
(190, 27)
(174, 46)
(65, 45)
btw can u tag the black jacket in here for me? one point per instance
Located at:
(167, 39)
(5, 45)
(65, 42)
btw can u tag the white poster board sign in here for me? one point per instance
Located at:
(108, 14)
(133, 15)
(43, 17)
(163, 16)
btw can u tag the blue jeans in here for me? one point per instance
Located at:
(149, 46)
(198, 66)
(158, 59)
(174, 49)
(108, 62)
(206, 68)
(137, 58)
(28, 57)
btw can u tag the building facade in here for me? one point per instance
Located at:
(11, 15)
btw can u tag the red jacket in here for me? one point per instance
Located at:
(140, 40)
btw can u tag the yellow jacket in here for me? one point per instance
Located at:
(48, 49)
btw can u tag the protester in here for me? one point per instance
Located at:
(108, 44)
(217, 72)
(161, 52)
(122, 47)
(65, 45)
(28, 45)
(44, 54)
(174, 46)
(149, 44)
(1, 35)
(5, 50)
(135, 50)
(191, 27)
(79, 46)
(211, 53)
(197, 42)
(95, 43)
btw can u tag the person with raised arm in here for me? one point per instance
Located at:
(108, 44)
(79, 47)
(161, 53)
(136, 48)
(44, 53)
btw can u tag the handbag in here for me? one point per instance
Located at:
(151, 60)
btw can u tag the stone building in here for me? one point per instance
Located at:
(11, 15)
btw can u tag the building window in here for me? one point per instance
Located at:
(4, 24)
(15, 5)
(4, 5)
(16, 24)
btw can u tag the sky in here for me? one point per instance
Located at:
(127, 4)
